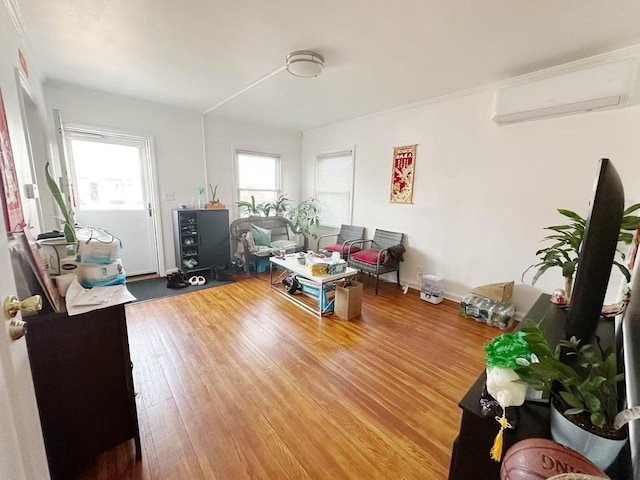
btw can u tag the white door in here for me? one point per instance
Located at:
(22, 454)
(112, 189)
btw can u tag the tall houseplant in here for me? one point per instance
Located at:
(305, 215)
(567, 239)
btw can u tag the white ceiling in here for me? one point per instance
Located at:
(378, 53)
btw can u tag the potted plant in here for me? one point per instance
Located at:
(265, 208)
(281, 205)
(564, 252)
(69, 227)
(583, 389)
(305, 215)
(250, 207)
(215, 202)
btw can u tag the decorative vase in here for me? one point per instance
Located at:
(600, 450)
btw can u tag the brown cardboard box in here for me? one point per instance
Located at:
(348, 301)
(501, 292)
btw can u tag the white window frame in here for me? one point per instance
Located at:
(237, 189)
(344, 152)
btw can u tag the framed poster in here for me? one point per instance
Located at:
(404, 161)
(9, 187)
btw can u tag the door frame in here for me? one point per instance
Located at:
(148, 140)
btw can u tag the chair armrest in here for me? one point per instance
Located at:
(325, 236)
(360, 241)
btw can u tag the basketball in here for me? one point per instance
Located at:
(539, 458)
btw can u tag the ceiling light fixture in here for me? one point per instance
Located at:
(304, 64)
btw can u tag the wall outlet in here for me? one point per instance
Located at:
(420, 270)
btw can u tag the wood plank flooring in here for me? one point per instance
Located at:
(235, 382)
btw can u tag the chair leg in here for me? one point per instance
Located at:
(377, 277)
(398, 276)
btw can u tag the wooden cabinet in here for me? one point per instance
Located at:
(81, 370)
(201, 239)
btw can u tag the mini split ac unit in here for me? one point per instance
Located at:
(595, 88)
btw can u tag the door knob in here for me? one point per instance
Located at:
(17, 329)
(12, 305)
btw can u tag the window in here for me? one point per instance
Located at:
(334, 187)
(258, 174)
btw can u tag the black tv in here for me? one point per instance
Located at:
(597, 252)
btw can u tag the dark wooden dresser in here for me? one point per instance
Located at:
(470, 456)
(83, 382)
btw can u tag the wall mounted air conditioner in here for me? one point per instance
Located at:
(595, 88)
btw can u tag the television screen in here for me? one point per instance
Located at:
(597, 252)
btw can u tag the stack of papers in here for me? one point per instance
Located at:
(82, 300)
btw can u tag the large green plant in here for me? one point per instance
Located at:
(69, 226)
(587, 387)
(567, 239)
(305, 215)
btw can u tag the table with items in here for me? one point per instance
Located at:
(303, 278)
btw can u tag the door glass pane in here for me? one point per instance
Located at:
(108, 176)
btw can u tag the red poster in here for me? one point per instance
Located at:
(404, 160)
(9, 187)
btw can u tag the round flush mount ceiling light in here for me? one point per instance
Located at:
(304, 64)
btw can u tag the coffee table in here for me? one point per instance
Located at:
(322, 282)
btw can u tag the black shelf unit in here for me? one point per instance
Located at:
(201, 239)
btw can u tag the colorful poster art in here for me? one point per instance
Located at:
(404, 162)
(9, 187)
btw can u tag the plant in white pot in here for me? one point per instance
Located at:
(584, 401)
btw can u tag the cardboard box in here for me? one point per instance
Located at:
(348, 301)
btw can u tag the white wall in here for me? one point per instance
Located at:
(177, 135)
(223, 137)
(482, 193)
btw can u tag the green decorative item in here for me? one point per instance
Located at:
(503, 354)
(69, 226)
(567, 240)
(507, 350)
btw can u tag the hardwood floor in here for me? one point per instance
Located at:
(236, 382)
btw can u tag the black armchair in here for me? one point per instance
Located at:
(384, 255)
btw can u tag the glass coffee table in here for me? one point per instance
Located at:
(319, 287)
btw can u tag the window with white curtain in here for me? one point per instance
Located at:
(334, 187)
(258, 174)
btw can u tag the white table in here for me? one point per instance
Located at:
(291, 265)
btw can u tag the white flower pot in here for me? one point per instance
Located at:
(601, 451)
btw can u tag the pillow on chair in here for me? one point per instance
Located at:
(338, 247)
(368, 256)
(261, 236)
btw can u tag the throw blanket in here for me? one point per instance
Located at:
(395, 255)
